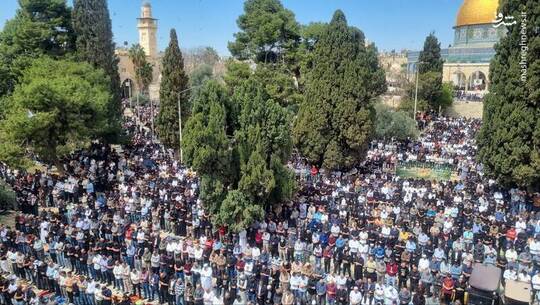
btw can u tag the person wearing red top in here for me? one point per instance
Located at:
(327, 256)
(331, 290)
(222, 231)
(209, 244)
(511, 234)
(208, 247)
(129, 233)
(391, 272)
(240, 264)
(447, 288)
(258, 239)
(331, 240)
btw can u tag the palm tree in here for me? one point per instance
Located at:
(143, 71)
(138, 57)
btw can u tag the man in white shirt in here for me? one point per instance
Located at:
(534, 247)
(354, 244)
(535, 281)
(510, 274)
(379, 293)
(423, 263)
(295, 283)
(118, 272)
(524, 277)
(355, 297)
(390, 295)
(90, 292)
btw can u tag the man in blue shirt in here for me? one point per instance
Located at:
(320, 287)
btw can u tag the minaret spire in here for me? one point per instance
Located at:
(147, 26)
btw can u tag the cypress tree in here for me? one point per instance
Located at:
(430, 56)
(173, 81)
(206, 144)
(92, 25)
(336, 121)
(240, 153)
(430, 66)
(509, 140)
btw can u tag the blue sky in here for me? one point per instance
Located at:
(391, 24)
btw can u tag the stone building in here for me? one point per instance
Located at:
(466, 62)
(147, 26)
(394, 65)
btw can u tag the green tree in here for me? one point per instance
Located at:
(237, 73)
(238, 211)
(40, 27)
(430, 67)
(407, 105)
(279, 84)
(263, 135)
(262, 122)
(430, 56)
(200, 75)
(267, 32)
(174, 83)
(206, 143)
(509, 138)
(239, 144)
(447, 95)
(397, 125)
(146, 74)
(58, 107)
(310, 34)
(336, 121)
(94, 42)
(430, 90)
(143, 69)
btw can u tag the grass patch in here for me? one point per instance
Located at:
(426, 171)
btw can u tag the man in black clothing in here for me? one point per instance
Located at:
(414, 278)
(403, 274)
(107, 296)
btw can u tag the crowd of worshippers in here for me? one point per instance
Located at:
(126, 226)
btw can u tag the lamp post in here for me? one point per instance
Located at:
(416, 89)
(180, 121)
(152, 116)
(138, 110)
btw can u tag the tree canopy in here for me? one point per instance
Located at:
(509, 138)
(58, 107)
(143, 69)
(267, 31)
(40, 27)
(396, 125)
(200, 75)
(174, 83)
(94, 42)
(239, 144)
(336, 120)
(430, 56)
(430, 67)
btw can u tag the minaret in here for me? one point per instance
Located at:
(147, 31)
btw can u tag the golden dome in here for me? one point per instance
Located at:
(477, 12)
